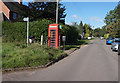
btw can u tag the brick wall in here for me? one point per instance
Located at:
(4, 9)
(19, 1)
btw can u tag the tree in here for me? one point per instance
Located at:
(117, 11)
(110, 17)
(47, 10)
(112, 21)
(86, 30)
(75, 24)
(103, 31)
(81, 29)
(97, 32)
(113, 15)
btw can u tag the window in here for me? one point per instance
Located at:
(14, 16)
(19, 16)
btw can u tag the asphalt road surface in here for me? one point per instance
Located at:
(93, 62)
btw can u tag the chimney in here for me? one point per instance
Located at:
(19, 1)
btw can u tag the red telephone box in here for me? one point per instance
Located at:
(54, 35)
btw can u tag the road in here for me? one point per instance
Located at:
(93, 62)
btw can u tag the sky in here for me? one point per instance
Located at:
(92, 13)
(70, 0)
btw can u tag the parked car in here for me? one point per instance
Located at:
(109, 40)
(101, 38)
(115, 44)
(119, 49)
(89, 37)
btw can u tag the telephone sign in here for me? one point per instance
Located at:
(60, 27)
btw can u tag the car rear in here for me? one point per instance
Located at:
(109, 40)
(115, 44)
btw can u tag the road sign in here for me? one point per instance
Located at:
(63, 38)
(26, 19)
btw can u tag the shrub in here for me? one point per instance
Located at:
(16, 32)
(106, 36)
(70, 32)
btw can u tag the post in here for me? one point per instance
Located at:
(27, 30)
(63, 39)
(64, 45)
(27, 20)
(57, 12)
(41, 39)
(46, 41)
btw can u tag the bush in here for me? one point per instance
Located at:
(37, 28)
(70, 32)
(106, 36)
(86, 35)
(16, 32)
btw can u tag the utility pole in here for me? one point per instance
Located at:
(57, 12)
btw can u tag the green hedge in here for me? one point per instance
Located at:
(13, 31)
(70, 32)
(16, 32)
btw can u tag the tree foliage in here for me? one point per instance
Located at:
(81, 28)
(100, 32)
(84, 30)
(112, 21)
(87, 30)
(47, 10)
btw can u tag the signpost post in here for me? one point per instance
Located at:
(27, 19)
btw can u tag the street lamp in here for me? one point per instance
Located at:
(27, 19)
(57, 11)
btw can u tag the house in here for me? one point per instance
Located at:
(11, 11)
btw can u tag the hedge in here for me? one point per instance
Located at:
(16, 32)
(70, 32)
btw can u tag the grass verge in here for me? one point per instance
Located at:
(75, 45)
(17, 56)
